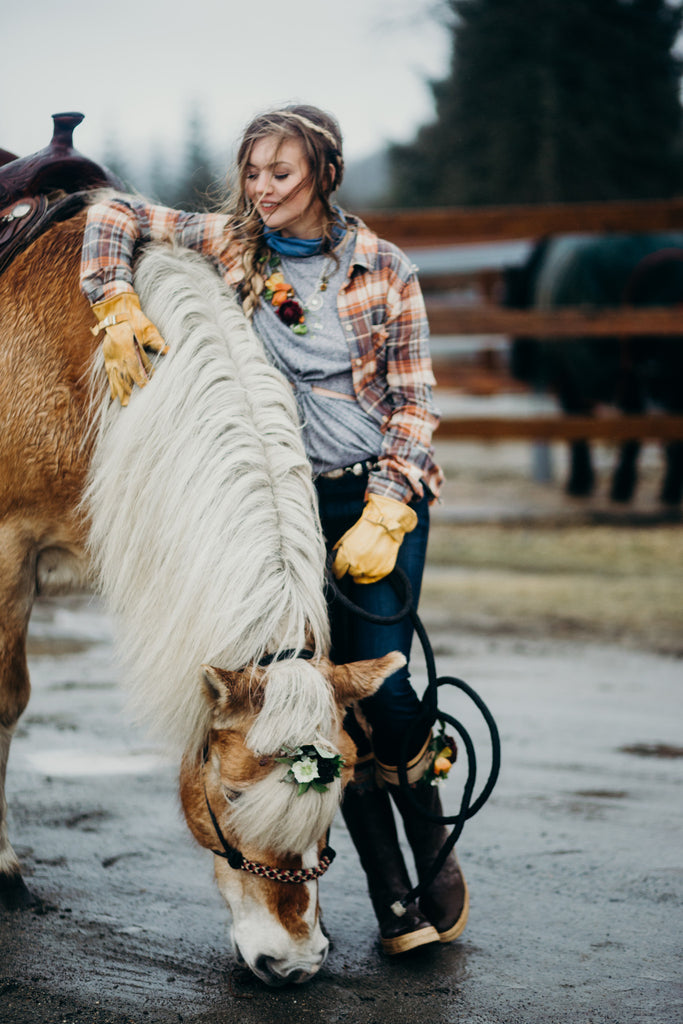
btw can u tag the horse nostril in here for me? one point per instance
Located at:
(265, 968)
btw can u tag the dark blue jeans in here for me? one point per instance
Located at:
(395, 705)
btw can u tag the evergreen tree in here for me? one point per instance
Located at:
(550, 100)
(197, 179)
(115, 160)
(163, 186)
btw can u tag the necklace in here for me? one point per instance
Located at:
(282, 295)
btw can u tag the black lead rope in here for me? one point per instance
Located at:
(428, 716)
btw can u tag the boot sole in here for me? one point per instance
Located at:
(411, 940)
(459, 927)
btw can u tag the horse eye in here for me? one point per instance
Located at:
(231, 794)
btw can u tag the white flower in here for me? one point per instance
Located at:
(305, 770)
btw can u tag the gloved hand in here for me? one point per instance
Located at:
(127, 333)
(369, 549)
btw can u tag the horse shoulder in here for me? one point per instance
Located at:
(45, 353)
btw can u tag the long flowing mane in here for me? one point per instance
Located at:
(204, 528)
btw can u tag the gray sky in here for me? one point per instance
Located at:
(136, 68)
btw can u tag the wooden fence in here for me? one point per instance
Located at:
(484, 316)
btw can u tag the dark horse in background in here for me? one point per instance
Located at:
(632, 373)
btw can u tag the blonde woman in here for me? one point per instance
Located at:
(341, 314)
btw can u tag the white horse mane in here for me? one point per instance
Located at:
(204, 528)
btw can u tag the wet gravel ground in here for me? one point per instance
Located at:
(574, 865)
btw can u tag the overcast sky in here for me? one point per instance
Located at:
(137, 68)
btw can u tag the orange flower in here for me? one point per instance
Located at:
(281, 295)
(442, 765)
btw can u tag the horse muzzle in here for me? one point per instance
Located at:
(276, 972)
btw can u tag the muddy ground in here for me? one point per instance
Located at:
(574, 865)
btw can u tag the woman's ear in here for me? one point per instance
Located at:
(332, 171)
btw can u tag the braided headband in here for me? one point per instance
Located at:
(308, 124)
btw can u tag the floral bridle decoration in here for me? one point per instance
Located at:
(311, 767)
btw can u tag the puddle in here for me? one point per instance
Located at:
(661, 750)
(602, 794)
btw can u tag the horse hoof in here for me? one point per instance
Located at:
(13, 893)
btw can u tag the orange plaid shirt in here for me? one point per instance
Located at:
(380, 307)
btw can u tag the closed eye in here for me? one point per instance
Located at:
(231, 794)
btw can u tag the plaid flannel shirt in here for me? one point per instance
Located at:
(380, 307)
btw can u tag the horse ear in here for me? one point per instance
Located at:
(361, 679)
(226, 691)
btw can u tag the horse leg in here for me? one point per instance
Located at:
(625, 475)
(631, 400)
(581, 480)
(574, 402)
(17, 590)
(672, 486)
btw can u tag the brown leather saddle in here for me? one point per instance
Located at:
(46, 187)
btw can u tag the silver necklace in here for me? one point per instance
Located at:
(315, 300)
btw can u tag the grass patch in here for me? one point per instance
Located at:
(620, 584)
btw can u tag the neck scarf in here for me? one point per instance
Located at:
(287, 245)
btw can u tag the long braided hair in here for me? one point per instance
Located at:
(320, 136)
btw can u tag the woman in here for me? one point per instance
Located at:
(340, 312)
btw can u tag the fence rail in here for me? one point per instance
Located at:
(456, 225)
(444, 318)
(450, 315)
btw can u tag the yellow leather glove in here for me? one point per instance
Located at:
(369, 549)
(127, 333)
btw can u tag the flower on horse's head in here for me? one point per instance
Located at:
(311, 766)
(305, 770)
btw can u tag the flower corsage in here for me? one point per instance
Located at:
(444, 751)
(311, 767)
(282, 297)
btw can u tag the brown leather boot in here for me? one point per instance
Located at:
(446, 901)
(370, 821)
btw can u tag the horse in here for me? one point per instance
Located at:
(632, 373)
(193, 512)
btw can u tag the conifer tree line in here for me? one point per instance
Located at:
(550, 101)
(545, 101)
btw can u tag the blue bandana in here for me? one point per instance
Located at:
(287, 245)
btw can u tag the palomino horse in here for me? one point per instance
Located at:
(194, 512)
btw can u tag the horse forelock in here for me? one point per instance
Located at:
(271, 814)
(298, 708)
(204, 525)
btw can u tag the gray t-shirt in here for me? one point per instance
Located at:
(336, 431)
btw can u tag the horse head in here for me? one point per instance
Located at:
(262, 794)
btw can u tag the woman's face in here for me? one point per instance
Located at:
(280, 185)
